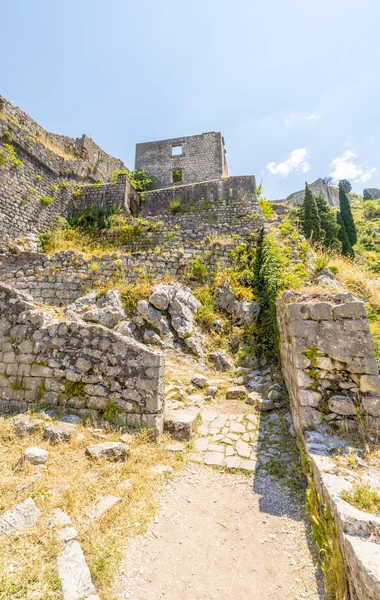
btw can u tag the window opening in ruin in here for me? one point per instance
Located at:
(176, 175)
(176, 149)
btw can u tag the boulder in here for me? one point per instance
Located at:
(74, 573)
(109, 450)
(111, 309)
(221, 361)
(61, 432)
(162, 295)
(152, 316)
(199, 380)
(236, 393)
(19, 518)
(59, 518)
(36, 456)
(24, 426)
(243, 311)
(180, 424)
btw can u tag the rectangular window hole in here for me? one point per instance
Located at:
(176, 175)
(177, 150)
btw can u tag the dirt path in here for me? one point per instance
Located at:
(222, 536)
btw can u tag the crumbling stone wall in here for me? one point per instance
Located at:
(43, 173)
(328, 360)
(202, 159)
(80, 367)
(60, 279)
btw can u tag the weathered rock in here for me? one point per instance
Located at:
(28, 483)
(101, 506)
(243, 311)
(111, 309)
(36, 456)
(180, 424)
(199, 380)
(74, 573)
(371, 405)
(236, 393)
(19, 518)
(24, 426)
(264, 404)
(342, 405)
(221, 361)
(72, 419)
(195, 345)
(108, 450)
(151, 337)
(177, 447)
(152, 316)
(66, 534)
(370, 383)
(126, 328)
(62, 432)
(59, 518)
(162, 296)
(212, 390)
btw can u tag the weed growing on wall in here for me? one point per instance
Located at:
(266, 208)
(9, 157)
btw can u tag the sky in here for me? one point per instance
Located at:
(293, 85)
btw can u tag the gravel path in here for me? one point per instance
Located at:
(222, 536)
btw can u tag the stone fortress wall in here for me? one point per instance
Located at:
(41, 366)
(49, 163)
(202, 158)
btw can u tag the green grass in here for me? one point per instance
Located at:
(365, 498)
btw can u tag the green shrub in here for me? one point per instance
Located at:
(7, 136)
(46, 200)
(175, 206)
(38, 177)
(8, 156)
(111, 412)
(74, 388)
(198, 270)
(371, 209)
(266, 208)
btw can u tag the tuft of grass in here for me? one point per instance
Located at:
(362, 496)
(175, 206)
(74, 388)
(46, 200)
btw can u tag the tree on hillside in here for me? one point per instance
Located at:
(329, 225)
(346, 215)
(347, 249)
(312, 222)
(346, 184)
(328, 179)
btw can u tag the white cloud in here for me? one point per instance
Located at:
(296, 162)
(346, 168)
(294, 118)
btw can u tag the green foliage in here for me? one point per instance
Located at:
(74, 388)
(329, 225)
(198, 269)
(7, 136)
(94, 218)
(19, 384)
(347, 249)
(139, 178)
(363, 497)
(177, 176)
(46, 200)
(38, 177)
(312, 222)
(41, 390)
(346, 216)
(175, 206)
(266, 208)
(325, 535)
(8, 156)
(346, 185)
(206, 314)
(54, 187)
(111, 412)
(371, 209)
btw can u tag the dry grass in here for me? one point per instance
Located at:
(28, 561)
(56, 149)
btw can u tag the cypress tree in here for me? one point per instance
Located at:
(312, 223)
(329, 225)
(347, 249)
(346, 214)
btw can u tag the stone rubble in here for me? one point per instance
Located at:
(20, 518)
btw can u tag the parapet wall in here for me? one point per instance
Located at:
(77, 366)
(120, 194)
(223, 206)
(328, 360)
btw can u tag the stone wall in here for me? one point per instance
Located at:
(80, 367)
(328, 360)
(202, 159)
(87, 155)
(120, 194)
(225, 206)
(371, 193)
(44, 173)
(60, 279)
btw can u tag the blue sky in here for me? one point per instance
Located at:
(293, 85)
